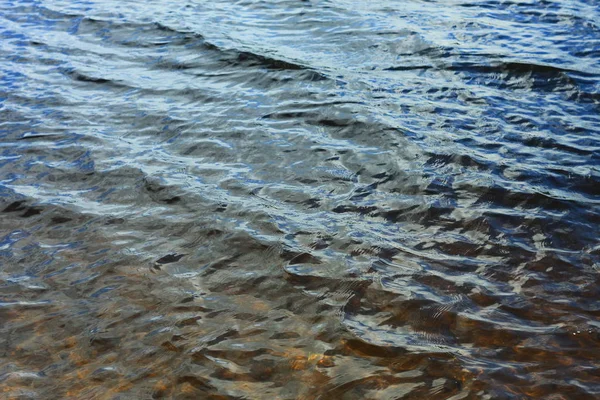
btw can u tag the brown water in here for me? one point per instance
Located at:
(299, 200)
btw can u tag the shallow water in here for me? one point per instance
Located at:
(300, 199)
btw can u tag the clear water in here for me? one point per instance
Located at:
(300, 199)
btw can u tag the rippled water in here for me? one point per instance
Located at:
(300, 199)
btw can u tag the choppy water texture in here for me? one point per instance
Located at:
(300, 199)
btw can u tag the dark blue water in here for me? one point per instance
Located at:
(300, 199)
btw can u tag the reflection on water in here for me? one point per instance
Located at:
(299, 200)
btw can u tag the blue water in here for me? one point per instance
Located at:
(300, 199)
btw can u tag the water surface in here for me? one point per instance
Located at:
(300, 199)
